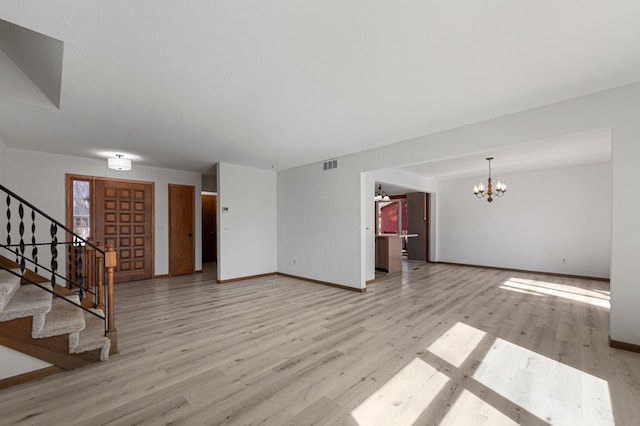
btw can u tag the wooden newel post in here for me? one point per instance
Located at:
(110, 262)
(99, 277)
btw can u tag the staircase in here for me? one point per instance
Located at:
(61, 317)
(52, 317)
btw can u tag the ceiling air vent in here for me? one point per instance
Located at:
(330, 165)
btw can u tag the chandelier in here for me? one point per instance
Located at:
(381, 196)
(500, 189)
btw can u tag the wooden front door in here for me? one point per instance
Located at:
(181, 229)
(124, 219)
(209, 240)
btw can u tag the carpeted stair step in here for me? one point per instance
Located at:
(92, 337)
(9, 284)
(63, 318)
(28, 300)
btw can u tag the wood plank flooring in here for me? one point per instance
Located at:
(433, 344)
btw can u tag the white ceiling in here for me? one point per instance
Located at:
(580, 149)
(285, 83)
(588, 148)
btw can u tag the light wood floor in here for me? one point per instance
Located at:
(433, 344)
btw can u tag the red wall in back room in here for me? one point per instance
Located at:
(389, 218)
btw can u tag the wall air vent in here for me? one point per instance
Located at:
(330, 165)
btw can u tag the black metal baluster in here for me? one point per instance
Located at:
(34, 247)
(8, 222)
(80, 277)
(70, 264)
(54, 252)
(21, 232)
(79, 269)
(79, 266)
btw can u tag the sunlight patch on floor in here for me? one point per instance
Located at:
(402, 399)
(554, 392)
(539, 288)
(471, 410)
(457, 343)
(519, 290)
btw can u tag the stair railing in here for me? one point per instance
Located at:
(89, 266)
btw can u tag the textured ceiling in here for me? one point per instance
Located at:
(286, 83)
(580, 149)
(573, 150)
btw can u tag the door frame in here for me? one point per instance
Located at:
(427, 224)
(68, 209)
(193, 225)
(69, 177)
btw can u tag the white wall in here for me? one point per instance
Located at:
(545, 216)
(210, 183)
(327, 211)
(15, 363)
(3, 168)
(318, 237)
(3, 162)
(625, 250)
(319, 223)
(40, 179)
(247, 231)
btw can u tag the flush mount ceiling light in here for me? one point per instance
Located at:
(381, 196)
(500, 189)
(119, 163)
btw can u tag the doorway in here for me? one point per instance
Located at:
(181, 229)
(209, 226)
(116, 212)
(408, 215)
(418, 220)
